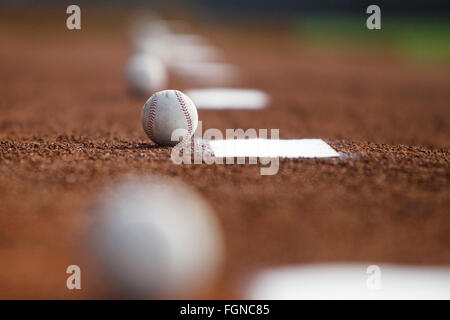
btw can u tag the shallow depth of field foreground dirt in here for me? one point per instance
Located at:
(68, 127)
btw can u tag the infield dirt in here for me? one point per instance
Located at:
(69, 127)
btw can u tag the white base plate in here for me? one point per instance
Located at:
(228, 98)
(272, 148)
(350, 281)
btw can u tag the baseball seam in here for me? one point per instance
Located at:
(185, 110)
(151, 117)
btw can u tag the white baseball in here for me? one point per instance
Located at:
(156, 238)
(168, 116)
(146, 74)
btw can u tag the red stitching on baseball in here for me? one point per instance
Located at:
(151, 116)
(185, 111)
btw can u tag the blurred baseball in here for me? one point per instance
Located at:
(157, 238)
(146, 74)
(168, 117)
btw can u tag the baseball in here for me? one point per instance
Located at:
(168, 117)
(146, 74)
(156, 238)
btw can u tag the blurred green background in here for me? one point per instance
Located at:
(414, 36)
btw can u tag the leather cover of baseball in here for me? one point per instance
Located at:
(168, 113)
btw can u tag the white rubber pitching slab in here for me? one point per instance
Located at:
(206, 72)
(268, 148)
(350, 281)
(226, 98)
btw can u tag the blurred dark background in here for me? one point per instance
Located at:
(416, 29)
(286, 7)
